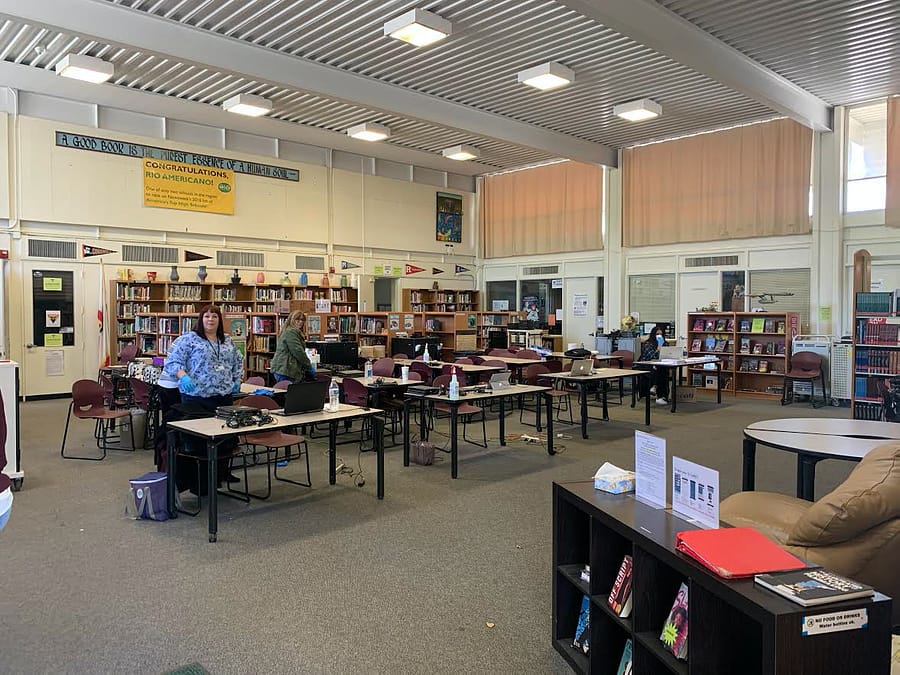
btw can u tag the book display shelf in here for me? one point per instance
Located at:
(491, 322)
(457, 331)
(735, 626)
(876, 351)
(436, 300)
(755, 349)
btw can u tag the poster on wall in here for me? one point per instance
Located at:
(579, 304)
(533, 307)
(449, 218)
(174, 185)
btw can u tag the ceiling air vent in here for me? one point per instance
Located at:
(149, 254)
(712, 261)
(240, 259)
(309, 262)
(39, 248)
(542, 270)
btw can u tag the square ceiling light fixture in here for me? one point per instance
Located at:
(369, 131)
(461, 152)
(248, 104)
(83, 67)
(418, 27)
(546, 76)
(637, 111)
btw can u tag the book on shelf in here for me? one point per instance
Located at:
(675, 629)
(769, 326)
(779, 327)
(696, 344)
(720, 324)
(710, 324)
(620, 599)
(625, 667)
(770, 348)
(745, 325)
(733, 552)
(757, 348)
(729, 326)
(720, 345)
(582, 640)
(758, 325)
(710, 344)
(745, 345)
(698, 324)
(814, 586)
(763, 366)
(779, 348)
(585, 574)
(313, 324)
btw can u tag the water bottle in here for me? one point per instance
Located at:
(368, 371)
(454, 385)
(334, 396)
(426, 357)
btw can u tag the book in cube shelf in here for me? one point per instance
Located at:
(745, 345)
(696, 344)
(815, 586)
(720, 324)
(770, 326)
(758, 325)
(710, 344)
(745, 325)
(620, 598)
(582, 640)
(675, 630)
(698, 324)
(625, 666)
(710, 324)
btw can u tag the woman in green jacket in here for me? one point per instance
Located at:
(291, 362)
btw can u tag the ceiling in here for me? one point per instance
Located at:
(326, 65)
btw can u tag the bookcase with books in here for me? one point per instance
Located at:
(876, 352)
(491, 322)
(754, 348)
(716, 625)
(437, 300)
(456, 330)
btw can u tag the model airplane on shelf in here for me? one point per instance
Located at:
(765, 298)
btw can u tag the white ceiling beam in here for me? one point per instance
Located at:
(113, 24)
(654, 26)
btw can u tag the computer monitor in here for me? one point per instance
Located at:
(648, 328)
(336, 353)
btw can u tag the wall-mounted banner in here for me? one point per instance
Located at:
(387, 270)
(412, 269)
(190, 256)
(460, 269)
(347, 265)
(113, 147)
(448, 226)
(435, 270)
(175, 185)
(89, 251)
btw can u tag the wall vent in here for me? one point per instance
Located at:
(240, 259)
(711, 261)
(44, 248)
(309, 262)
(542, 270)
(149, 254)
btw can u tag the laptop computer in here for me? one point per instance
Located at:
(670, 353)
(499, 381)
(582, 367)
(304, 397)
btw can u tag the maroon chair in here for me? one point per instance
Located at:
(256, 381)
(400, 356)
(805, 367)
(466, 411)
(465, 361)
(627, 359)
(355, 393)
(477, 360)
(422, 369)
(87, 404)
(129, 353)
(527, 354)
(533, 376)
(284, 384)
(413, 376)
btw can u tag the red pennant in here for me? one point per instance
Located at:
(412, 269)
(90, 251)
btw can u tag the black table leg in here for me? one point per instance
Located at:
(646, 406)
(634, 385)
(537, 412)
(548, 401)
(212, 489)
(454, 412)
(806, 477)
(673, 389)
(406, 403)
(582, 394)
(749, 477)
(170, 474)
(378, 425)
(502, 420)
(718, 382)
(332, 452)
(604, 386)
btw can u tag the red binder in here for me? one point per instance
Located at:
(733, 552)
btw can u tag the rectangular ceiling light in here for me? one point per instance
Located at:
(369, 131)
(83, 67)
(461, 152)
(547, 76)
(248, 104)
(636, 111)
(418, 27)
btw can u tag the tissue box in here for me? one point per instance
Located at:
(611, 478)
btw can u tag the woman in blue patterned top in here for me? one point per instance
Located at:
(205, 362)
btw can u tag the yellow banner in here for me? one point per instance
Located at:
(173, 185)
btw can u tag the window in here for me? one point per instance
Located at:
(653, 296)
(866, 157)
(539, 299)
(501, 291)
(783, 281)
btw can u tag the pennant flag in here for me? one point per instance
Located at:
(412, 269)
(90, 251)
(190, 256)
(460, 269)
(435, 270)
(346, 265)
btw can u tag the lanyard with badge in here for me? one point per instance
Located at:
(219, 366)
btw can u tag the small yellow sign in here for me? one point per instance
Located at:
(53, 340)
(52, 283)
(825, 313)
(174, 185)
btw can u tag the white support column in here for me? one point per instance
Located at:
(615, 283)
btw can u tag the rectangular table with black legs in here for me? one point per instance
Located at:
(675, 367)
(471, 397)
(214, 431)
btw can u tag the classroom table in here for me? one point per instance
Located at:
(214, 431)
(470, 397)
(675, 366)
(602, 376)
(470, 370)
(595, 356)
(515, 364)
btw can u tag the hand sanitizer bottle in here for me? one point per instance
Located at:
(368, 371)
(426, 357)
(334, 396)
(454, 385)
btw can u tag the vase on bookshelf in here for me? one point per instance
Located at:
(286, 280)
(235, 278)
(303, 279)
(202, 273)
(344, 282)
(325, 282)
(173, 275)
(260, 278)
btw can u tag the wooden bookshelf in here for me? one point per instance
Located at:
(876, 351)
(439, 301)
(488, 322)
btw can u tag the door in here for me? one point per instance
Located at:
(53, 325)
(580, 310)
(695, 290)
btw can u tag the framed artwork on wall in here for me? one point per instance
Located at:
(448, 226)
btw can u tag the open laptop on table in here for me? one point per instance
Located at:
(499, 381)
(582, 367)
(670, 353)
(304, 397)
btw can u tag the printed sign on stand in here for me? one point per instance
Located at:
(650, 469)
(695, 492)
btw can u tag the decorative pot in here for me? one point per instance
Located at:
(304, 280)
(202, 273)
(344, 281)
(286, 280)
(235, 278)
(325, 282)
(260, 278)
(173, 275)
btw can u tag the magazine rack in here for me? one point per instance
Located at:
(734, 626)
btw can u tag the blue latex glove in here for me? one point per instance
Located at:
(186, 384)
(236, 389)
(660, 340)
(312, 368)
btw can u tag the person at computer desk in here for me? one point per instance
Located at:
(290, 361)
(659, 376)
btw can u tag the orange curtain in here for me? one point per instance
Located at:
(750, 181)
(892, 190)
(549, 209)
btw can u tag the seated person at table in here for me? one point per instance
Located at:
(659, 376)
(290, 361)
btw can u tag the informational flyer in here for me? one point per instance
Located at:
(695, 492)
(579, 304)
(650, 469)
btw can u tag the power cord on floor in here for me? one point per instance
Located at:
(356, 475)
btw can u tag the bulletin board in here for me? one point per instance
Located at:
(53, 308)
